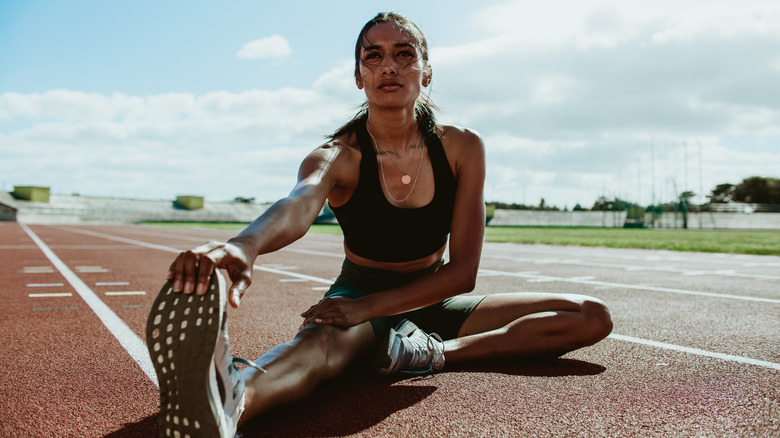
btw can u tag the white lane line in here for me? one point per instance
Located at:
(112, 283)
(634, 268)
(542, 278)
(697, 351)
(326, 281)
(126, 337)
(129, 292)
(51, 295)
(45, 284)
(313, 252)
(292, 280)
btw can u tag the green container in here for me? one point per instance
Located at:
(31, 193)
(190, 202)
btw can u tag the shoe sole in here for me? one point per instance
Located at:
(388, 354)
(181, 335)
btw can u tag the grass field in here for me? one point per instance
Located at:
(737, 242)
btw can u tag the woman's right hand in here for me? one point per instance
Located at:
(191, 270)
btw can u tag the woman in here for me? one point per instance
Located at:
(400, 185)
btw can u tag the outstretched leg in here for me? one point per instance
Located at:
(529, 325)
(294, 369)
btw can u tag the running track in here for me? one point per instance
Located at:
(695, 350)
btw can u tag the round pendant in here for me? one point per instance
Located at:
(406, 179)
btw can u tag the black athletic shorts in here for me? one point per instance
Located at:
(444, 318)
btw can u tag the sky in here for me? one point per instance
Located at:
(574, 99)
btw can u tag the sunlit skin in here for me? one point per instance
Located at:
(335, 331)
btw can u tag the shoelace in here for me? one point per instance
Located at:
(248, 363)
(422, 354)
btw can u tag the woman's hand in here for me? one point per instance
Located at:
(338, 311)
(191, 270)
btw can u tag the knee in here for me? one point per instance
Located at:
(598, 321)
(318, 342)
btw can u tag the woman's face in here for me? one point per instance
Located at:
(391, 68)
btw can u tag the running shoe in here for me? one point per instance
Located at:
(201, 390)
(411, 350)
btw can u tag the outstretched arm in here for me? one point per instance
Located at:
(284, 222)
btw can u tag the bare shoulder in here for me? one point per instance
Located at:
(334, 164)
(333, 155)
(463, 146)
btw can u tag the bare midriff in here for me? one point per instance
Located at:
(409, 266)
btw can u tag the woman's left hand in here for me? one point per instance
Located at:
(337, 311)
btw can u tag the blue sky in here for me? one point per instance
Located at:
(574, 99)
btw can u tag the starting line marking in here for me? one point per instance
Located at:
(129, 292)
(45, 284)
(90, 269)
(55, 308)
(112, 283)
(51, 295)
(126, 337)
(38, 270)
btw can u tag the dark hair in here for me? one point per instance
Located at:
(424, 107)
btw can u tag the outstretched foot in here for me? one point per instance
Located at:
(201, 391)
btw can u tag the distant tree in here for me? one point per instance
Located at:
(722, 194)
(684, 198)
(605, 204)
(541, 204)
(758, 190)
(577, 207)
(602, 204)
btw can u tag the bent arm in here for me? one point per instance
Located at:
(457, 276)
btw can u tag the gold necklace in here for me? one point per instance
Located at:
(406, 179)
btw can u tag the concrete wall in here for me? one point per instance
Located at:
(63, 209)
(81, 209)
(8, 207)
(559, 218)
(719, 221)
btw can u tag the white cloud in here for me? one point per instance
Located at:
(574, 99)
(581, 89)
(218, 144)
(274, 46)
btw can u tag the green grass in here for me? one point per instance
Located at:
(737, 242)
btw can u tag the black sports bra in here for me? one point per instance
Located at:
(377, 230)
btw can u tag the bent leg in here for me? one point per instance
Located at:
(317, 353)
(529, 325)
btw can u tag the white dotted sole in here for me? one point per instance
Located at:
(181, 334)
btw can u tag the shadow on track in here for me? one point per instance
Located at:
(351, 404)
(338, 408)
(554, 367)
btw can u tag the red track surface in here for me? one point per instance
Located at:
(64, 373)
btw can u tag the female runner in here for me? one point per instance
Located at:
(402, 186)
